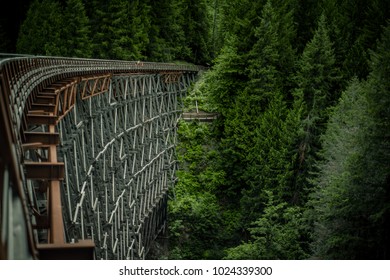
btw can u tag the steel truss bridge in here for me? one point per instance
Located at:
(87, 155)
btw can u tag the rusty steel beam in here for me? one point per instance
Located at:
(56, 230)
(33, 146)
(66, 99)
(171, 77)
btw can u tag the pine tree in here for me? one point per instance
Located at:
(334, 213)
(375, 166)
(264, 115)
(75, 33)
(316, 81)
(195, 27)
(351, 201)
(121, 31)
(40, 32)
(223, 84)
(354, 27)
(242, 87)
(271, 160)
(216, 34)
(166, 39)
(277, 234)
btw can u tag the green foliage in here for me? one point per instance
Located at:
(355, 26)
(337, 182)
(122, 30)
(196, 217)
(196, 227)
(196, 29)
(166, 38)
(118, 29)
(272, 159)
(316, 80)
(76, 33)
(278, 234)
(40, 32)
(350, 205)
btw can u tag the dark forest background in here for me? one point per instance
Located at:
(297, 165)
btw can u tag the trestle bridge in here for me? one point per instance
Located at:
(87, 155)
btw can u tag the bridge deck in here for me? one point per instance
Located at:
(88, 153)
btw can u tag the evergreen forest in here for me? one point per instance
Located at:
(297, 164)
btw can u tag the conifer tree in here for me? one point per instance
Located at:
(195, 28)
(351, 199)
(223, 85)
(316, 81)
(277, 234)
(355, 26)
(122, 28)
(166, 37)
(40, 33)
(75, 32)
(333, 215)
(271, 160)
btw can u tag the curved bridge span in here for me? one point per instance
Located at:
(87, 155)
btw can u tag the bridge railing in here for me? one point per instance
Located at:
(20, 77)
(24, 74)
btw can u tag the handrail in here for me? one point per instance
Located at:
(24, 74)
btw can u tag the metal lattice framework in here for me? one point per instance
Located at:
(120, 149)
(94, 144)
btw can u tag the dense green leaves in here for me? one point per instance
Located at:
(77, 34)
(118, 29)
(301, 157)
(350, 205)
(278, 234)
(337, 184)
(40, 32)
